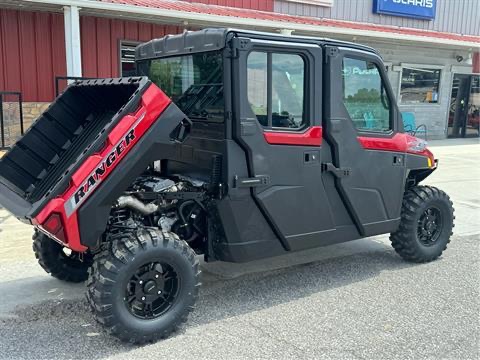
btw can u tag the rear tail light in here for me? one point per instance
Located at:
(54, 226)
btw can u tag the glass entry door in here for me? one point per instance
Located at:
(464, 115)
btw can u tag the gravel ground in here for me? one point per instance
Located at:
(351, 301)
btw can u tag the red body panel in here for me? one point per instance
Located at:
(400, 142)
(311, 137)
(153, 103)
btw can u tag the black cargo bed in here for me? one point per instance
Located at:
(62, 136)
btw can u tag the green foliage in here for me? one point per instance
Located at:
(163, 74)
(364, 96)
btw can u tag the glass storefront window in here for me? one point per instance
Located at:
(419, 85)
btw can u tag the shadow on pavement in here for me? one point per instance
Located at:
(66, 328)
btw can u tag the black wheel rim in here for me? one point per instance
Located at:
(430, 226)
(152, 290)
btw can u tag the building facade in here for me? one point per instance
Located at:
(430, 46)
(452, 67)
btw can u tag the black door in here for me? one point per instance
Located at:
(278, 124)
(360, 125)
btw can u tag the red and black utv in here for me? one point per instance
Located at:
(232, 144)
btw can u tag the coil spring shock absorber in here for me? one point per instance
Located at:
(118, 219)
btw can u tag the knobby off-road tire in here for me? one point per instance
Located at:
(53, 258)
(426, 224)
(129, 272)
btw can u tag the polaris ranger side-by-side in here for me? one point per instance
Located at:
(232, 144)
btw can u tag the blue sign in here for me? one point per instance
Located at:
(420, 9)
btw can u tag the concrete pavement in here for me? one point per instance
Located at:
(357, 300)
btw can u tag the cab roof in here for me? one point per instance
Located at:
(211, 39)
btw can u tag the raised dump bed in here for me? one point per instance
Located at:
(64, 133)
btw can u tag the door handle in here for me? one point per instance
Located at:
(337, 172)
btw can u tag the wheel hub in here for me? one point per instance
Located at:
(429, 226)
(151, 290)
(150, 287)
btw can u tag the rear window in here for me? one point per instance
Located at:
(193, 82)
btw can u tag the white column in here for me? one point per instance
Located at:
(72, 41)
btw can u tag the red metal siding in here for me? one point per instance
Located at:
(263, 5)
(88, 39)
(101, 39)
(32, 52)
(11, 50)
(27, 66)
(476, 62)
(117, 31)
(104, 61)
(43, 44)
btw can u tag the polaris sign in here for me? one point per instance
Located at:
(420, 9)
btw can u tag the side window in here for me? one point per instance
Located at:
(288, 83)
(276, 85)
(257, 85)
(364, 96)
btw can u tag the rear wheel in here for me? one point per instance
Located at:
(143, 285)
(426, 224)
(59, 261)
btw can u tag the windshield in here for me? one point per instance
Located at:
(193, 82)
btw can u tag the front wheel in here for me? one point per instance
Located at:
(143, 285)
(426, 224)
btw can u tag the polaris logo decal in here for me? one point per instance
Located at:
(98, 174)
(417, 9)
(421, 3)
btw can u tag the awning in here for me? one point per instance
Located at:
(213, 15)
